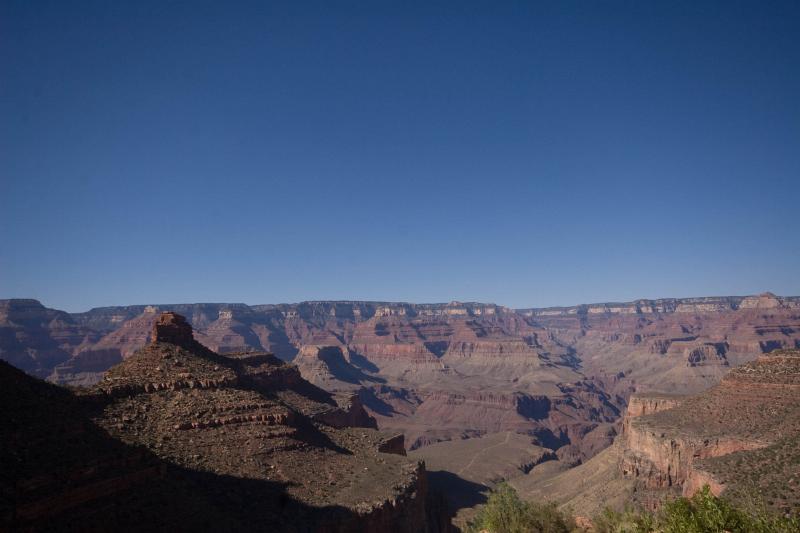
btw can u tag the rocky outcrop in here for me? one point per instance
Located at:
(172, 328)
(766, 300)
(648, 404)
(706, 354)
(697, 479)
(349, 412)
(237, 441)
(679, 446)
(739, 438)
(394, 444)
(659, 462)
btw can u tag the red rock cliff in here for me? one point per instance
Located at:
(672, 444)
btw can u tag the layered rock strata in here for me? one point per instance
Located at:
(409, 362)
(239, 442)
(680, 445)
(740, 438)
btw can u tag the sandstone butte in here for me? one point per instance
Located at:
(740, 437)
(177, 437)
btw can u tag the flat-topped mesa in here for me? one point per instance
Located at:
(712, 304)
(765, 300)
(172, 328)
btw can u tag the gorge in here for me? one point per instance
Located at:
(479, 392)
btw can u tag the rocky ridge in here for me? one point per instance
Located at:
(239, 441)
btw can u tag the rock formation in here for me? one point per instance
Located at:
(740, 438)
(238, 442)
(439, 372)
(172, 328)
(723, 436)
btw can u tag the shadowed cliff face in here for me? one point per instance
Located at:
(178, 436)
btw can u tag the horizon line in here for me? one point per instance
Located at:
(399, 302)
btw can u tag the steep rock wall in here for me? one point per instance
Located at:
(661, 462)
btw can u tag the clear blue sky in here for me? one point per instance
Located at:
(524, 153)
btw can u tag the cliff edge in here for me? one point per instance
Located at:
(740, 437)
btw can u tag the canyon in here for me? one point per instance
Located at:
(739, 437)
(443, 371)
(178, 437)
(553, 400)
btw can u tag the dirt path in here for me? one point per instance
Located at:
(474, 457)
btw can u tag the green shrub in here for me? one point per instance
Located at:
(628, 521)
(504, 512)
(702, 513)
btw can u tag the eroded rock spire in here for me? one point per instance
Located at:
(172, 328)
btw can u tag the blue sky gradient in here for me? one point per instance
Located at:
(523, 153)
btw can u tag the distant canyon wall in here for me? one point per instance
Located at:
(443, 371)
(709, 304)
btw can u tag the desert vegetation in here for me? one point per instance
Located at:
(702, 513)
(505, 512)
(768, 476)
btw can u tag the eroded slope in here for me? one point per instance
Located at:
(177, 436)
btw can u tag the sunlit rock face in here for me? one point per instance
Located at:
(739, 438)
(753, 414)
